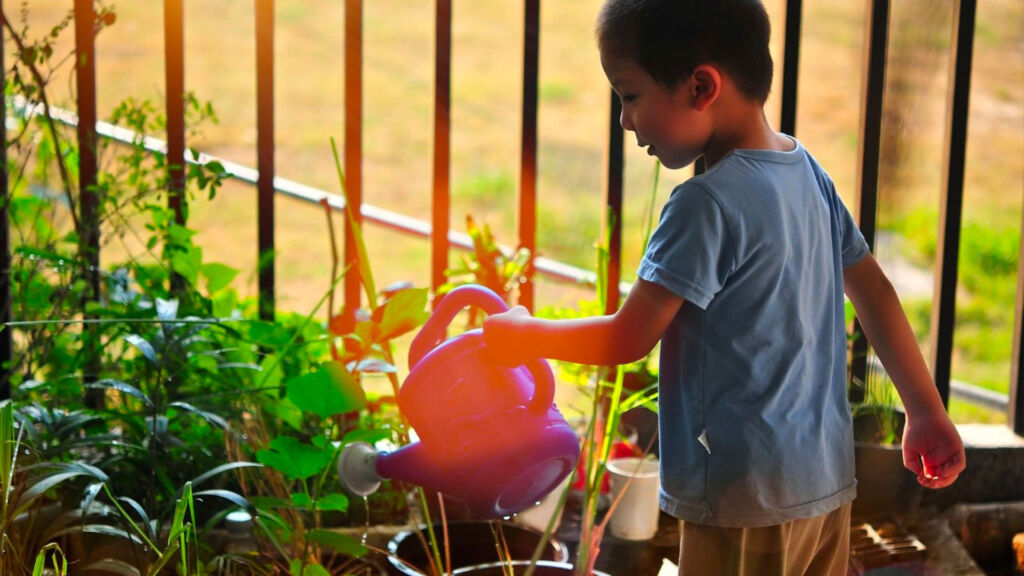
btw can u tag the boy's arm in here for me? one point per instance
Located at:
(931, 445)
(620, 338)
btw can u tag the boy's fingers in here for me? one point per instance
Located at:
(938, 470)
(937, 481)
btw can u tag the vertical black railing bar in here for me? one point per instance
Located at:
(85, 81)
(791, 66)
(876, 48)
(265, 155)
(948, 249)
(440, 214)
(1015, 408)
(528, 148)
(353, 146)
(174, 73)
(6, 342)
(613, 204)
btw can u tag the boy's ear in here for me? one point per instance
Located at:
(707, 85)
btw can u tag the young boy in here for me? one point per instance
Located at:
(743, 283)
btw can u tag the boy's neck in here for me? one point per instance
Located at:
(740, 124)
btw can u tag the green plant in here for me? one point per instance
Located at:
(44, 503)
(304, 424)
(54, 274)
(489, 266)
(875, 406)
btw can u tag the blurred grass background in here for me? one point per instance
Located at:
(573, 123)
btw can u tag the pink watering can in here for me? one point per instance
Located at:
(489, 434)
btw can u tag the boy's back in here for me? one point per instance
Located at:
(755, 422)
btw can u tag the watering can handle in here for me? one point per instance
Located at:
(433, 332)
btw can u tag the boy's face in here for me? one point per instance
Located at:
(663, 119)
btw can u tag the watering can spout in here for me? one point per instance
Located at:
(362, 468)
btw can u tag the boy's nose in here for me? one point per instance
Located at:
(625, 121)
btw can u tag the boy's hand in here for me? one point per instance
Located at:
(504, 336)
(932, 449)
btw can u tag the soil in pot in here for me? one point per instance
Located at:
(470, 544)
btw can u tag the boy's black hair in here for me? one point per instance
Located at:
(670, 38)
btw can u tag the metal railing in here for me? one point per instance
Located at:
(876, 44)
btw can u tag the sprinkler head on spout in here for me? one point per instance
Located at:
(357, 468)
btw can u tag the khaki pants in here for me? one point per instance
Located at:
(807, 547)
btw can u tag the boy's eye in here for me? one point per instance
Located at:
(627, 98)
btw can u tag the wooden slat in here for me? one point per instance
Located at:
(1015, 410)
(441, 206)
(528, 164)
(85, 86)
(174, 76)
(791, 66)
(613, 204)
(876, 47)
(265, 155)
(6, 342)
(353, 145)
(948, 248)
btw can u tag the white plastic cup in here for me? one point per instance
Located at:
(636, 516)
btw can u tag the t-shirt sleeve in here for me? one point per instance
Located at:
(688, 253)
(853, 247)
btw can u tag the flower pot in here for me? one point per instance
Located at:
(470, 544)
(543, 568)
(636, 515)
(884, 485)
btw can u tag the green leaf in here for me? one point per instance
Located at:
(233, 497)
(297, 568)
(221, 469)
(40, 488)
(295, 459)
(170, 553)
(188, 263)
(287, 411)
(328, 391)
(268, 334)
(302, 500)
(218, 276)
(210, 417)
(124, 387)
(98, 529)
(403, 312)
(143, 346)
(370, 436)
(178, 235)
(338, 502)
(272, 370)
(339, 542)
(365, 273)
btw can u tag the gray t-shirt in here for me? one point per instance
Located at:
(755, 425)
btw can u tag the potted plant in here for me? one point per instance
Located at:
(884, 485)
